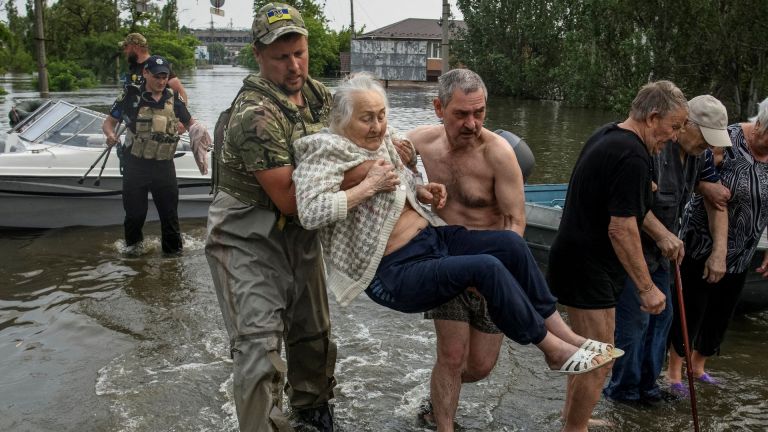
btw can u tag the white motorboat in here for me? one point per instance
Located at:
(44, 158)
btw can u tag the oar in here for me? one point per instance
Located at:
(684, 325)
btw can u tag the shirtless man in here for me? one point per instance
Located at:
(485, 190)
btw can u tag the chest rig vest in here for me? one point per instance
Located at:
(303, 121)
(157, 132)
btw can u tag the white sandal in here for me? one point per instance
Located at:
(581, 362)
(603, 348)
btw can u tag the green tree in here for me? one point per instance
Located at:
(599, 52)
(178, 49)
(246, 59)
(5, 52)
(217, 53)
(168, 17)
(70, 20)
(68, 75)
(17, 55)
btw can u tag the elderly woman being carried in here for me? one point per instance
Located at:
(378, 238)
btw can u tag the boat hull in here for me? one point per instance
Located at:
(56, 202)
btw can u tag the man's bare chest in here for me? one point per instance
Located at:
(468, 180)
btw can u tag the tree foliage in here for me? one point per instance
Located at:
(599, 52)
(168, 17)
(14, 51)
(68, 75)
(245, 58)
(217, 53)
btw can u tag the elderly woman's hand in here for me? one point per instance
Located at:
(381, 177)
(434, 194)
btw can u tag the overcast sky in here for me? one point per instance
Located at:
(371, 13)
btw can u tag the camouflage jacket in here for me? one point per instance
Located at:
(262, 128)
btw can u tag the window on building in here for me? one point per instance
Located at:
(433, 50)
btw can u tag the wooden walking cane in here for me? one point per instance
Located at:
(684, 326)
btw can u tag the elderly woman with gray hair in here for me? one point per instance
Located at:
(378, 238)
(709, 306)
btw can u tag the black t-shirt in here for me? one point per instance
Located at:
(612, 177)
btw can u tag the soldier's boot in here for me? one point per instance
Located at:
(319, 419)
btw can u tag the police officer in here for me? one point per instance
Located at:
(152, 118)
(266, 268)
(136, 51)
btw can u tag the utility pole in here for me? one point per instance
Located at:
(352, 18)
(445, 23)
(117, 59)
(42, 66)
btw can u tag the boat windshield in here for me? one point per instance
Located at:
(65, 123)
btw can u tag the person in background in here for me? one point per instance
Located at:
(267, 269)
(678, 168)
(151, 118)
(136, 51)
(485, 188)
(710, 304)
(598, 243)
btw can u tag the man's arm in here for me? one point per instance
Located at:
(278, 184)
(508, 185)
(175, 85)
(354, 176)
(714, 268)
(625, 238)
(108, 127)
(669, 244)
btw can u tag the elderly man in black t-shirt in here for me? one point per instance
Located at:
(598, 244)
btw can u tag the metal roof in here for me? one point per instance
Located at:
(414, 28)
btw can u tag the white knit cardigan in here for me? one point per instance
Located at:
(353, 240)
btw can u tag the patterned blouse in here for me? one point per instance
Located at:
(747, 179)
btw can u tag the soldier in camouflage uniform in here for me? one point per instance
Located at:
(266, 268)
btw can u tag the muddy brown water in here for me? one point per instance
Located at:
(92, 340)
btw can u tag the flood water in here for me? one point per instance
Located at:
(91, 340)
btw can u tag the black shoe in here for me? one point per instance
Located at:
(318, 419)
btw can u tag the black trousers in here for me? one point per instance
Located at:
(140, 177)
(708, 308)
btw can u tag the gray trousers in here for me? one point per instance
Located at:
(271, 288)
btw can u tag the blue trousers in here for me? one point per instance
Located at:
(441, 262)
(643, 337)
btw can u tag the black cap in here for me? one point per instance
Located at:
(156, 64)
